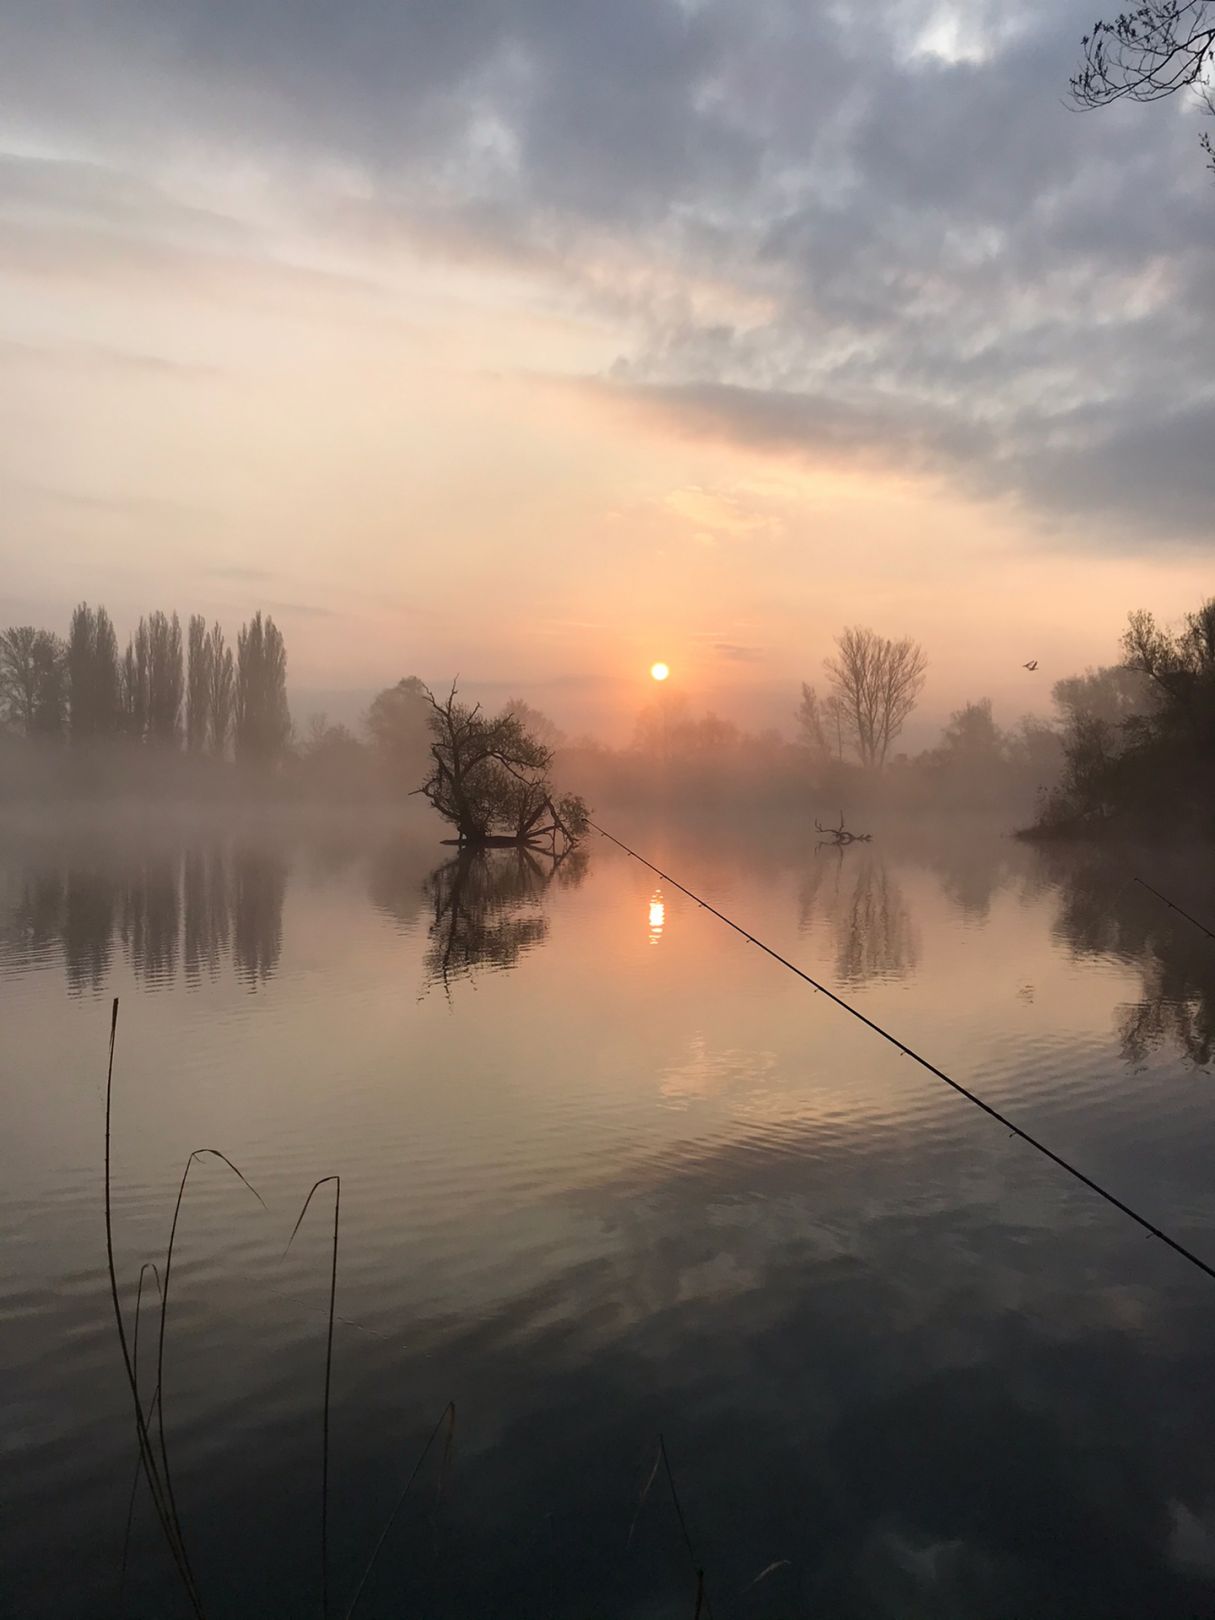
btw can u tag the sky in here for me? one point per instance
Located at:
(535, 340)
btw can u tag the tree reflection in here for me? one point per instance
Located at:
(150, 919)
(90, 900)
(259, 883)
(166, 909)
(206, 927)
(1103, 911)
(487, 908)
(867, 913)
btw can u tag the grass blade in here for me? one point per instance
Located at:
(147, 1266)
(337, 1207)
(146, 1455)
(171, 1499)
(447, 1416)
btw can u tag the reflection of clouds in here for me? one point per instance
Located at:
(910, 1370)
(708, 1073)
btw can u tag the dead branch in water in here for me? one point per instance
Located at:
(839, 836)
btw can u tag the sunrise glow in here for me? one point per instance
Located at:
(659, 671)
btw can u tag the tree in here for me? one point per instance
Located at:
(166, 678)
(134, 683)
(811, 723)
(398, 723)
(972, 735)
(94, 686)
(198, 685)
(536, 723)
(490, 779)
(1114, 693)
(1181, 667)
(876, 683)
(221, 677)
(32, 694)
(263, 721)
(1147, 54)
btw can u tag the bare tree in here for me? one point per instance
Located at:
(32, 691)
(876, 683)
(221, 673)
(198, 684)
(166, 678)
(263, 721)
(811, 722)
(1149, 53)
(94, 683)
(134, 682)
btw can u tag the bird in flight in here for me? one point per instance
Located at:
(1033, 664)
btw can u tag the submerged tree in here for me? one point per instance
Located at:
(876, 683)
(490, 779)
(1149, 53)
(263, 722)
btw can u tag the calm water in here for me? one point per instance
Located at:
(607, 1173)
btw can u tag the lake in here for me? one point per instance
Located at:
(608, 1174)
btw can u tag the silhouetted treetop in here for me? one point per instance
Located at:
(1148, 53)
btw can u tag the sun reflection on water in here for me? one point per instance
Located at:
(658, 916)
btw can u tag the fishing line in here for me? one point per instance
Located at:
(907, 1051)
(1173, 906)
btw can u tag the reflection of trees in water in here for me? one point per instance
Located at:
(150, 918)
(205, 908)
(398, 878)
(867, 913)
(259, 883)
(1104, 912)
(87, 921)
(163, 908)
(487, 907)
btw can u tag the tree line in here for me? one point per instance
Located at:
(1139, 735)
(196, 692)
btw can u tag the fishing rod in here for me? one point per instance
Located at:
(907, 1051)
(1173, 906)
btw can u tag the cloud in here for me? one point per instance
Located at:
(738, 654)
(894, 245)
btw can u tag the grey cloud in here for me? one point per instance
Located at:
(231, 571)
(935, 265)
(738, 654)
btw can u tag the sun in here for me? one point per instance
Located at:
(659, 671)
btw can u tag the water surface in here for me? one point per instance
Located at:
(607, 1173)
